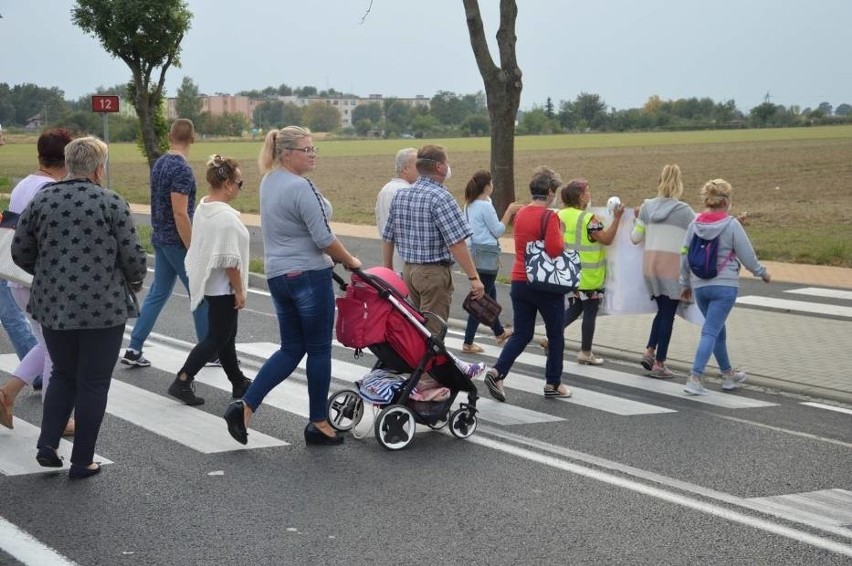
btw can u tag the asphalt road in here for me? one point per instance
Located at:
(622, 474)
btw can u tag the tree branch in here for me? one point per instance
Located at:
(367, 13)
(477, 39)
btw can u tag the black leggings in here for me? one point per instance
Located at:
(589, 309)
(221, 337)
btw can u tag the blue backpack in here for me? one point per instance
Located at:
(703, 257)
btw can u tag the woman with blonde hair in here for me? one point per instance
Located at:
(716, 296)
(300, 250)
(217, 269)
(661, 223)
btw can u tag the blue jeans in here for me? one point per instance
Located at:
(472, 323)
(168, 266)
(305, 307)
(661, 328)
(15, 322)
(715, 303)
(525, 304)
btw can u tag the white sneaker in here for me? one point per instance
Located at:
(589, 359)
(694, 386)
(733, 378)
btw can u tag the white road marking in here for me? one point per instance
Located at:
(711, 508)
(175, 421)
(828, 407)
(26, 549)
(833, 504)
(796, 306)
(826, 293)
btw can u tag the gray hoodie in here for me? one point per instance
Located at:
(734, 250)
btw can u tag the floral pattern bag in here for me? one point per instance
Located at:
(560, 274)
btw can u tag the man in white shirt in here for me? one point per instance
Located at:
(406, 174)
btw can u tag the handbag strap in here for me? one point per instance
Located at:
(545, 218)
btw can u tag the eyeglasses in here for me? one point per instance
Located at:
(310, 149)
(239, 184)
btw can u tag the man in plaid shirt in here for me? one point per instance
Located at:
(429, 230)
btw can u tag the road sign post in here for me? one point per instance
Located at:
(105, 104)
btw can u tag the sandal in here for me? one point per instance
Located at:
(558, 390)
(472, 348)
(6, 418)
(503, 337)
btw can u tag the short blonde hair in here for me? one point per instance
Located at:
(276, 142)
(83, 155)
(670, 184)
(716, 193)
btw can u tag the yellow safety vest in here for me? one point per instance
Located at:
(592, 254)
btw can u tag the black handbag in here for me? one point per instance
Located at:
(484, 309)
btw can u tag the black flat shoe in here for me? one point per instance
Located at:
(235, 417)
(48, 458)
(80, 472)
(315, 436)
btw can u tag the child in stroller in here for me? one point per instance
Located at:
(375, 314)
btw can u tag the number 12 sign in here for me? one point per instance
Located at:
(104, 103)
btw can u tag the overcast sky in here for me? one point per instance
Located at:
(624, 50)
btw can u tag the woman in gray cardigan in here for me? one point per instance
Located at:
(79, 242)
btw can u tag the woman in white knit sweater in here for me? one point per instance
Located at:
(217, 268)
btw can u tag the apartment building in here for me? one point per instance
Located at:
(221, 103)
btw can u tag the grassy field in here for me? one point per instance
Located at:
(796, 184)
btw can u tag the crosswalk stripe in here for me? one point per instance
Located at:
(501, 412)
(828, 505)
(170, 418)
(796, 306)
(827, 407)
(491, 411)
(166, 417)
(18, 450)
(825, 293)
(626, 379)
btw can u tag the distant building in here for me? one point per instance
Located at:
(219, 104)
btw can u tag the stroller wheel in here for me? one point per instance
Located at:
(395, 427)
(345, 409)
(463, 423)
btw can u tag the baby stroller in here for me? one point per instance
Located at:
(375, 314)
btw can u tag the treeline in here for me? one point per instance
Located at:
(449, 114)
(589, 112)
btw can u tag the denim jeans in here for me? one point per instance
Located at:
(715, 303)
(661, 328)
(304, 303)
(488, 280)
(168, 266)
(15, 322)
(525, 304)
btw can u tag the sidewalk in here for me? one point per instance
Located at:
(790, 352)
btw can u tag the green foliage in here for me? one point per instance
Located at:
(321, 117)
(230, 124)
(147, 37)
(371, 112)
(269, 114)
(188, 102)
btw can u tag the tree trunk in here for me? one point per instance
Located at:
(503, 87)
(142, 101)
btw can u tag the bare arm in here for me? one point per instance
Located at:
(606, 236)
(387, 254)
(461, 252)
(236, 282)
(180, 210)
(340, 254)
